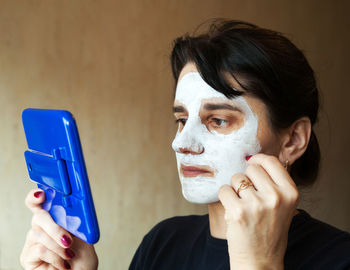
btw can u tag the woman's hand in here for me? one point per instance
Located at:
(49, 246)
(258, 219)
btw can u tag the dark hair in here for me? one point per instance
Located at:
(266, 65)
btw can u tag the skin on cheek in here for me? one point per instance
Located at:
(267, 137)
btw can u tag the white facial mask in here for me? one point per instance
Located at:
(224, 153)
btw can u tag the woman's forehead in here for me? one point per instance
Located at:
(192, 86)
(190, 67)
(192, 90)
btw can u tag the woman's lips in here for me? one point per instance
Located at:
(193, 171)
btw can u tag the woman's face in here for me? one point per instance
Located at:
(215, 135)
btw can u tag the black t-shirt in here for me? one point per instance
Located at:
(185, 243)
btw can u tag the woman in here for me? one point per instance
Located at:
(246, 101)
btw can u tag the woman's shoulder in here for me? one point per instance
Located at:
(304, 225)
(312, 242)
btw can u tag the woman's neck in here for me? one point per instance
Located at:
(217, 223)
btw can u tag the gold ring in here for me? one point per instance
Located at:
(244, 185)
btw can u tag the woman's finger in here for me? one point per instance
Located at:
(261, 179)
(228, 197)
(43, 220)
(274, 168)
(38, 253)
(34, 199)
(243, 186)
(234, 209)
(37, 235)
(278, 174)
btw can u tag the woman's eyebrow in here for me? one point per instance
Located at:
(221, 106)
(179, 108)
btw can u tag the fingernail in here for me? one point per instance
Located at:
(66, 265)
(66, 240)
(69, 253)
(38, 194)
(248, 157)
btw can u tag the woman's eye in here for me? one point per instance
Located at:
(181, 121)
(219, 122)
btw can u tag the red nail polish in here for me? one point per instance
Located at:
(248, 157)
(66, 265)
(38, 194)
(69, 253)
(66, 241)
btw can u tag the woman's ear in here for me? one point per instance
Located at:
(295, 140)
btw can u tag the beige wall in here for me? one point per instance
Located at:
(107, 62)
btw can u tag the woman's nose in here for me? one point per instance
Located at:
(187, 142)
(191, 150)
